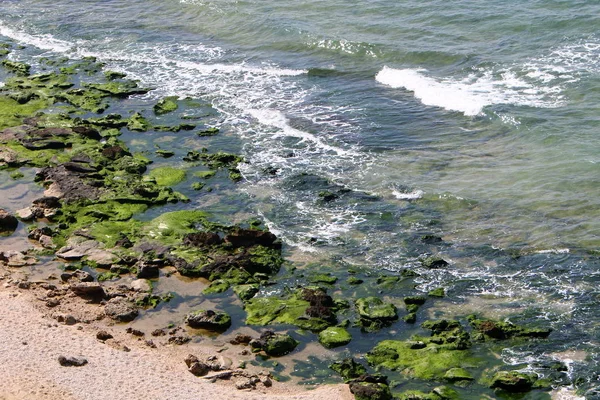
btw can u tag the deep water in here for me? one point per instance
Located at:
(473, 121)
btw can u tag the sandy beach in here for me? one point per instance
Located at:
(32, 340)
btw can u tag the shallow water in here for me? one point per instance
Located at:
(474, 121)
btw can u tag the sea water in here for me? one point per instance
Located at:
(475, 121)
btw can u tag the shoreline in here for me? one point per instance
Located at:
(109, 267)
(32, 340)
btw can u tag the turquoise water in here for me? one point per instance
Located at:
(474, 121)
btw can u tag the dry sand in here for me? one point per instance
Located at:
(31, 341)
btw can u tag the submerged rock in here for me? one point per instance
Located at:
(370, 391)
(208, 319)
(505, 330)
(374, 313)
(348, 369)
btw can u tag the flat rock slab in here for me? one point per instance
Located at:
(121, 310)
(88, 289)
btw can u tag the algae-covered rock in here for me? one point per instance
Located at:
(457, 375)
(138, 123)
(118, 88)
(167, 176)
(274, 344)
(209, 320)
(505, 330)
(327, 278)
(246, 292)
(513, 381)
(348, 369)
(370, 391)
(374, 313)
(437, 292)
(17, 67)
(334, 336)
(280, 345)
(434, 262)
(165, 106)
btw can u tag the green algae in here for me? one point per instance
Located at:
(18, 68)
(121, 89)
(12, 112)
(334, 336)
(112, 75)
(430, 362)
(498, 330)
(165, 106)
(327, 278)
(374, 313)
(138, 123)
(205, 174)
(348, 369)
(167, 176)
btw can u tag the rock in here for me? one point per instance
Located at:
(88, 289)
(240, 237)
(201, 239)
(103, 335)
(278, 344)
(241, 339)
(195, 366)
(370, 391)
(416, 300)
(8, 222)
(434, 263)
(72, 361)
(348, 369)
(457, 374)
(16, 259)
(135, 332)
(179, 340)
(147, 270)
(513, 381)
(334, 337)
(121, 310)
(26, 214)
(506, 330)
(374, 313)
(102, 258)
(141, 285)
(208, 319)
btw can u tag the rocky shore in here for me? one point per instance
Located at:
(82, 261)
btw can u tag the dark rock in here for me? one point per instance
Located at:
(275, 344)
(121, 310)
(370, 391)
(72, 361)
(88, 289)
(179, 340)
(195, 366)
(201, 239)
(434, 263)
(82, 168)
(348, 368)
(103, 335)
(135, 332)
(146, 270)
(37, 233)
(8, 222)
(208, 319)
(241, 339)
(247, 238)
(115, 152)
(87, 132)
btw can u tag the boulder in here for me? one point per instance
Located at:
(88, 289)
(370, 391)
(513, 381)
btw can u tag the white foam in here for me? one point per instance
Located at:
(44, 42)
(449, 95)
(277, 119)
(414, 195)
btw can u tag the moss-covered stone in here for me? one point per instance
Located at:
(138, 123)
(246, 292)
(505, 330)
(17, 67)
(348, 369)
(437, 292)
(123, 89)
(280, 344)
(208, 132)
(374, 313)
(167, 176)
(334, 336)
(323, 278)
(370, 391)
(458, 375)
(165, 106)
(434, 262)
(112, 75)
(513, 381)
